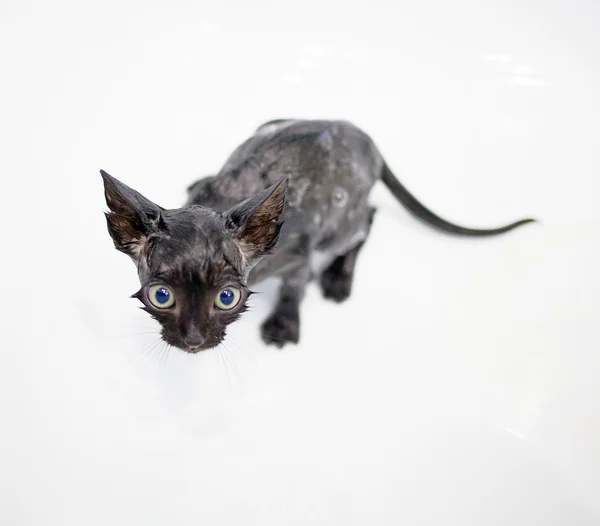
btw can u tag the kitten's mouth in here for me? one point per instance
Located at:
(202, 348)
(194, 350)
(181, 345)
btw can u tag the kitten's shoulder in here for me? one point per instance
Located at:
(201, 191)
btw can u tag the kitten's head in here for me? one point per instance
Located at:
(193, 262)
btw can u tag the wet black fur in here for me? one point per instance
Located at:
(293, 190)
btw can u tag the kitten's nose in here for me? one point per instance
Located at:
(193, 340)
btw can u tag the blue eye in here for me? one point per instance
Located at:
(228, 298)
(161, 296)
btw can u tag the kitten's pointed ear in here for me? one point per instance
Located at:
(255, 223)
(132, 217)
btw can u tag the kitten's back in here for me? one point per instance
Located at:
(316, 155)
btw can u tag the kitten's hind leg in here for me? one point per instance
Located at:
(336, 279)
(283, 325)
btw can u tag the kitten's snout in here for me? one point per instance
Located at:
(194, 340)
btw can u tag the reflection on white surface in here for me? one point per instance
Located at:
(457, 387)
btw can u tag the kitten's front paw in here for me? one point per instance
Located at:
(279, 329)
(336, 285)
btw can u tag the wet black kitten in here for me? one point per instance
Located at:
(294, 193)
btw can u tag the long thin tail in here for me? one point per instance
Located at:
(426, 215)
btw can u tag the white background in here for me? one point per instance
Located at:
(458, 386)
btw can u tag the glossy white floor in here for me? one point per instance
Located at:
(457, 387)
